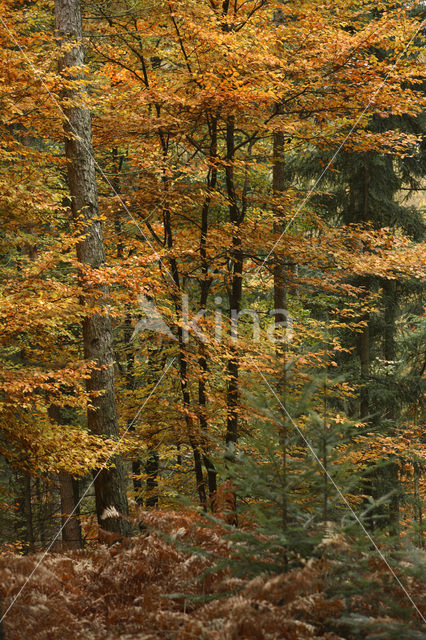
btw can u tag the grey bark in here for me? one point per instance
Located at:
(97, 332)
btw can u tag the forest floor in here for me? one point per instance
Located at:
(124, 592)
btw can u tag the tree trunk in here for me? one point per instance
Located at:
(391, 479)
(364, 356)
(204, 291)
(280, 302)
(364, 345)
(237, 263)
(183, 367)
(28, 512)
(71, 531)
(41, 514)
(235, 297)
(360, 211)
(97, 336)
(233, 361)
(418, 510)
(152, 467)
(137, 482)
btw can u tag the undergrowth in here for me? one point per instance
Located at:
(121, 592)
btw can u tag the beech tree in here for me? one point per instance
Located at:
(201, 115)
(97, 332)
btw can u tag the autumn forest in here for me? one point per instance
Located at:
(212, 320)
